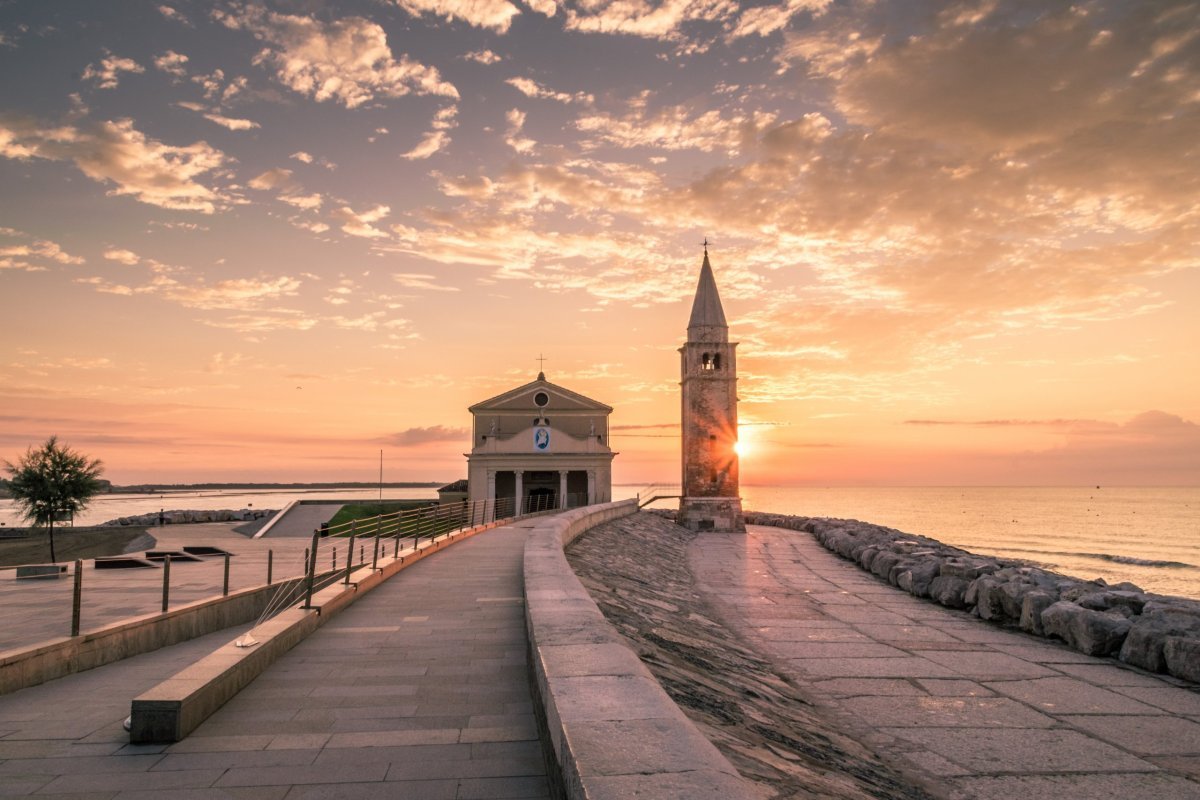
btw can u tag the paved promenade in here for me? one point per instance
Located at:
(981, 712)
(40, 609)
(418, 690)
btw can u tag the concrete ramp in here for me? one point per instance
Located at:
(299, 519)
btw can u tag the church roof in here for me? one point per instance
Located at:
(521, 399)
(706, 308)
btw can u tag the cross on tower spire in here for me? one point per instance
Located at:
(541, 359)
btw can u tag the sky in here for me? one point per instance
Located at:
(958, 243)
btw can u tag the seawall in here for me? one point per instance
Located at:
(1155, 632)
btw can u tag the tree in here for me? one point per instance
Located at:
(52, 482)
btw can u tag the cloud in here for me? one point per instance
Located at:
(115, 152)
(307, 202)
(127, 257)
(346, 60)
(277, 178)
(675, 128)
(30, 254)
(172, 63)
(654, 20)
(362, 224)
(496, 15)
(413, 280)
(531, 88)
(483, 57)
(436, 139)
(765, 20)
(108, 74)
(303, 157)
(172, 14)
(232, 123)
(413, 437)
(512, 134)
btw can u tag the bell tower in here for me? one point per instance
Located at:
(711, 499)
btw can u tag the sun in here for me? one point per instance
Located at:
(741, 447)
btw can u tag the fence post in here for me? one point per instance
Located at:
(333, 558)
(350, 552)
(310, 565)
(270, 565)
(225, 585)
(77, 598)
(375, 552)
(166, 594)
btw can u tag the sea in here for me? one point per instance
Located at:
(1149, 536)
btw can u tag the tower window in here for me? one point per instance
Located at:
(706, 361)
(716, 361)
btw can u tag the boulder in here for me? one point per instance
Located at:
(883, 562)
(1110, 599)
(1032, 606)
(1182, 655)
(989, 599)
(1096, 633)
(1144, 646)
(968, 567)
(1012, 597)
(949, 591)
(916, 579)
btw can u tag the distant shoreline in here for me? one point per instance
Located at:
(155, 488)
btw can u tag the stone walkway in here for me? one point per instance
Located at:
(38, 610)
(983, 712)
(418, 690)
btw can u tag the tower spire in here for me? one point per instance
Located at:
(707, 322)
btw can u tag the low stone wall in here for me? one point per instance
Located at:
(1155, 632)
(188, 516)
(612, 730)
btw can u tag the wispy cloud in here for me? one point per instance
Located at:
(346, 60)
(116, 152)
(495, 15)
(20, 251)
(107, 74)
(414, 437)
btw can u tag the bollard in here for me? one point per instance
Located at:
(375, 552)
(333, 558)
(166, 583)
(396, 553)
(225, 584)
(310, 566)
(270, 565)
(77, 598)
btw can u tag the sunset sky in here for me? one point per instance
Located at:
(957, 242)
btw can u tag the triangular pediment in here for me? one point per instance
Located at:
(522, 399)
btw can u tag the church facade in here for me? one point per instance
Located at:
(542, 446)
(711, 499)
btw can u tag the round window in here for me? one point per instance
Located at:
(541, 399)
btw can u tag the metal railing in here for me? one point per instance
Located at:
(358, 543)
(658, 491)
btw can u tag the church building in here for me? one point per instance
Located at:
(710, 496)
(541, 444)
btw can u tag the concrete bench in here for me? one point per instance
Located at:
(41, 570)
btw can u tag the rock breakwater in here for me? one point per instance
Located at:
(1158, 633)
(186, 516)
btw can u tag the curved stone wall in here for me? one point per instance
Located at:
(614, 732)
(1158, 633)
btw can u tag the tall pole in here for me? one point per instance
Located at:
(381, 477)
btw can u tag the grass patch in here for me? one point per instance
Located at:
(353, 511)
(69, 544)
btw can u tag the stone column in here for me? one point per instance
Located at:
(520, 473)
(591, 486)
(562, 488)
(491, 485)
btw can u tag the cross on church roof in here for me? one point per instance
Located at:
(705, 245)
(541, 359)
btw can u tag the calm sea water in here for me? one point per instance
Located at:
(1148, 536)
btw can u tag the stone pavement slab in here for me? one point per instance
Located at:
(984, 712)
(418, 690)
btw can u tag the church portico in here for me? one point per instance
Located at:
(540, 446)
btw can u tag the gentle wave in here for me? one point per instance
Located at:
(1116, 559)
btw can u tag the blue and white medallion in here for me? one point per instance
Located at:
(541, 438)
